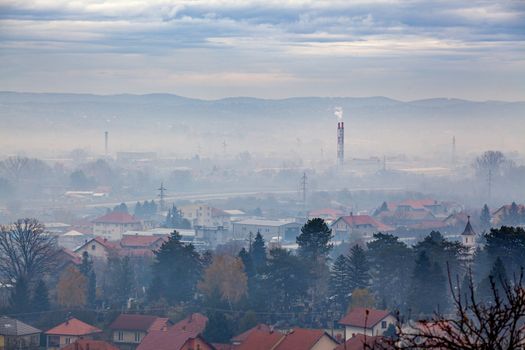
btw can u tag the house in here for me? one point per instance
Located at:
(366, 321)
(98, 248)
(306, 339)
(111, 226)
(135, 245)
(239, 339)
(502, 215)
(68, 332)
(198, 214)
(88, 344)
(357, 226)
(129, 330)
(360, 342)
(169, 339)
(72, 239)
(220, 218)
(296, 339)
(195, 323)
(286, 230)
(327, 214)
(16, 335)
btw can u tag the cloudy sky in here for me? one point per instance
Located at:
(215, 48)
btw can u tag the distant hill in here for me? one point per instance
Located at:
(241, 118)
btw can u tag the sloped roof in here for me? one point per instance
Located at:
(102, 241)
(193, 323)
(358, 317)
(260, 327)
(117, 218)
(11, 326)
(302, 339)
(260, 340)
(358, 341)
(326, 212)
(140, 241)
(166, 340)
(468, 231)
(354, 220)
(68, 255)
(73, 326)
(143, 323)
(88, 344)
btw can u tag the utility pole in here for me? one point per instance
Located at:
(162, 195)
(224, 147)
(304, 183)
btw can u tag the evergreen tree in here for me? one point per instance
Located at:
(40, 300)
(247, 261)
(121, 208)
(219, 328)
(86, 268)
(179, 267)
(258, 252)
(314, 240)
(358, 276)
(507, 243)
(138, 211)
(20, 296)
(485, 217)
(339, 282)
(512, 218)
(390, 281)
(428, 289)
(174, 219)
(498, 276)
(86, 265)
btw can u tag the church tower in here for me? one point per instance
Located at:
(468, 237)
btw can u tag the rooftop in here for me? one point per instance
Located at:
(117, 218)
(11, 326)
(73, 326)
(260, 222)
(358, 317)
(144, 323)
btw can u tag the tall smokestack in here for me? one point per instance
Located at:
(338, 111)
(106, 143)
(340, 143)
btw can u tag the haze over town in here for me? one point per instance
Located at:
(262, 175)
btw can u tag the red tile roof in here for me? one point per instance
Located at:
(70, 256)
(357, 342)
(194, 323)
(140, 241)
(117, 218)
(353, 220)
(334, 213)
(260, 327)
(87, 344)
(302, 339)
(357, 317)
(418, 203)
(260, 340)
(167, 340)
(143, 323)
(73, 326)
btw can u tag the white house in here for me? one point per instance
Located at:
(286, 230)
(366, 321)
(111, 226)
(357, 226)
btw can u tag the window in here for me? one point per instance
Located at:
(68, 340)
(93, 247)
(383, 324)
(53, 341)
(120, 335)
(137, 336)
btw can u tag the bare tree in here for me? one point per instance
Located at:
(496, 324)
(26, 251)
(489, 164)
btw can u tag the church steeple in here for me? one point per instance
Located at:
(468, 237)
(469, 231)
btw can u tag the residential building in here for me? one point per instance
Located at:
(169, 339)
(128, 330)
(360, 342)
(354, 227)
(296, 339)
(111, 226)
(327, 214)
(98, 248)
(16, 335)
(283, 230)
(502, 215)
(88, 344)
(198, 214)
(68, 332)
(195, 323)
(366, 321)
(239, 339)
(73, 239)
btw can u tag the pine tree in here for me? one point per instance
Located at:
(20, 296)
(358, 275)
(219, 328)
(314, 240)
(138, 211)
(421, 292)
(498, 276)
(485, 217)
(339, 282)
(40, 300)
(86, 268)
(258, 252)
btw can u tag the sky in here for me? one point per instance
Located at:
(407, 50)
